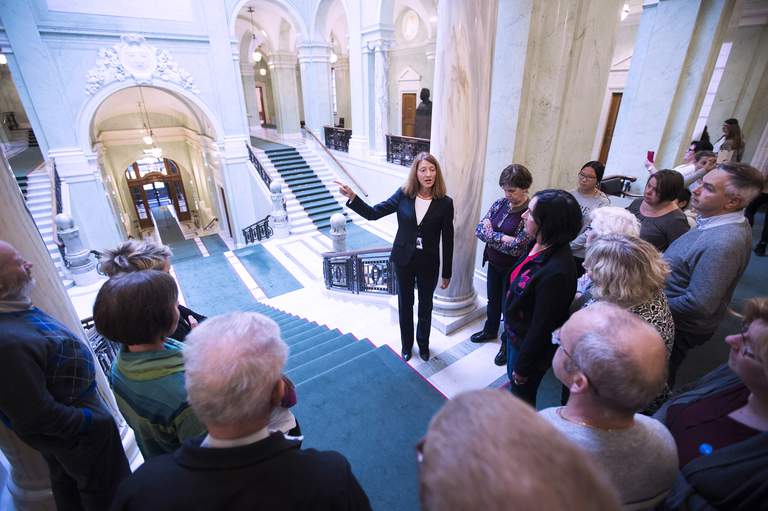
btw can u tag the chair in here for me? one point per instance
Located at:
(618, 186)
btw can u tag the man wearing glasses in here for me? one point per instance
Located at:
(612, 373)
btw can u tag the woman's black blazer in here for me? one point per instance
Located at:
(537, 304)
(436, 222)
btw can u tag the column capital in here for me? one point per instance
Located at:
(314, 51)
(377, 37)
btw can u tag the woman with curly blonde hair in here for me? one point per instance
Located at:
(630, 272)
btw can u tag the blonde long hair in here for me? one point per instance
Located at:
(411, 185)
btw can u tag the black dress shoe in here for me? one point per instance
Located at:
(424, 354)
(482, 336)
(406, 355)
(760, 249)
(501, 356)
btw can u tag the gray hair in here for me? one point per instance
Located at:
(613, 220)
(134, 255)
(624, 381)
(744, 181)
(14, 285)
(233, 363)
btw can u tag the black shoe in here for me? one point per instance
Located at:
(406, 355)
(482, 336)
(501, 356)
(760, 249)
(424, 354)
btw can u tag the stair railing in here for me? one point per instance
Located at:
(258, 231)
(215, 219)
(402, 150)
(329, 153)
(366, 271)
(259, 167)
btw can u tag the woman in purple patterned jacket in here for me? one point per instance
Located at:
(505, 242)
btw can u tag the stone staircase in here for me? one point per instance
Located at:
(38, 198)
(310, 194)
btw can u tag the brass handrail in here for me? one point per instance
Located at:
(335, 160)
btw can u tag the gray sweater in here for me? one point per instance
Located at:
(706, 265)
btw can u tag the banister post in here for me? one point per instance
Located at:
(279, 217)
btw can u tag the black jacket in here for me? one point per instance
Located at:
(438, 221)
(274, 473)
(537, 304)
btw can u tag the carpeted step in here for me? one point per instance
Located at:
(312, 187)
(309, 344)
(318, 198)
(316, 339)
(299, 171)
(304, 335)
(303, 180)
(321, 211)
(310, 194)
(308, 355)
(319, 365)
(299, 326)
(375, 400)
(291, 161)
(282, 150)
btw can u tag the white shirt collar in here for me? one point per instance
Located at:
(210, 441)
(737, 217)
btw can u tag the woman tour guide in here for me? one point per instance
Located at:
(424, 216)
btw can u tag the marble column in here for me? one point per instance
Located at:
(341, 71)
(251, 101)
(460, 111)
(742, 89)
(29, 484)
(246, 203)
(282, 65)
(381, 98)
(358, 83)
(677, 44)
(315, 69)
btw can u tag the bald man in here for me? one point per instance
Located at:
(614, 365)
(48, 395)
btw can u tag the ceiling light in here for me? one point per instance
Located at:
(147, 139)
(263, 71)
(256, 56)
(3, 59)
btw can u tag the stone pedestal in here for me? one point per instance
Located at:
(283, 68)
(465, 36)
(316, 86)
(278, 216)
(82, 265)
(677, 44)
(338, 232)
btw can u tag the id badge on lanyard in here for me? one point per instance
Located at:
(419, 243)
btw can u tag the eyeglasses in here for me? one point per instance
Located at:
(586, 177)
(556, 340)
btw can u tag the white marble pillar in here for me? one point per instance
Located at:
(358, 83)
(251, 101)
(29, 482)
(460, 111)
(245, 202)
(675, 52)
(381, 97)
(341, 71)
(282, 65)
(315, 69)
(739, 92)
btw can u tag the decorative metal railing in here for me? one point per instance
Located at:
(57, 189)
(259, 167)
(360, 271)
(105, 350)
(402, 150)
(337, 138)
(258, 231)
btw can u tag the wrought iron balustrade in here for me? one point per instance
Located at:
(337, 138)
(360, 271)
(259, 167)
(402, 150)
(258, 231)
(105, 350)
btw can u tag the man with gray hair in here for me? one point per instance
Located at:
(612, 373)
(707, 262)
(234, 365)
(48, 395)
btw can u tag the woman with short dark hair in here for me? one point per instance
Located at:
(661, 221)
(541, 288)
(590, 197)
(424, 219)
(505, 241)
(139, 310)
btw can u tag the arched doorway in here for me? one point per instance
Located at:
(155, 182)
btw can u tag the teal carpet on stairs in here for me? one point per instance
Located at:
(266, 145)
(214, 244)
(269, 274)
(210, 286)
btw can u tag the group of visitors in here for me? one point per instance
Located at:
(611, 299)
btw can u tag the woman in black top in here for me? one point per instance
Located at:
(424, 216)
(541, 288)
(661, 220)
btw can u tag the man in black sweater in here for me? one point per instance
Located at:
(48, 396)
(233, 367)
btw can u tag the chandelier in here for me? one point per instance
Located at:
(147, 136)
(256, 56)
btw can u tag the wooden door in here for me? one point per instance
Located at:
(613, 114)
(260, 98)
(409, 113)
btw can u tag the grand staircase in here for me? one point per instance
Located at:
(311, 198)
(360, 400)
